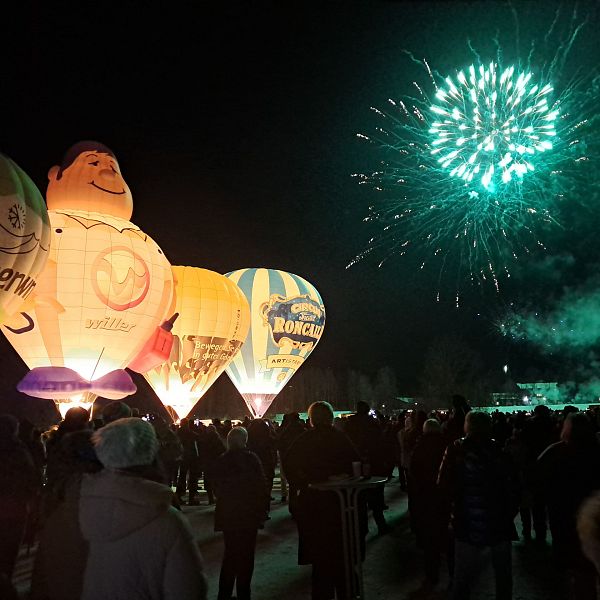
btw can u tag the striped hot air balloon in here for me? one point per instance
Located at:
(287, 318)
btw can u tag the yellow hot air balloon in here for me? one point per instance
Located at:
(287, 320)
(24, 237)
(213, 321)
(105, 289)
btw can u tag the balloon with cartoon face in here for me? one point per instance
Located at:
(24, 237)
(105, 289)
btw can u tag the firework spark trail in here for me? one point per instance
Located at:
(474, 172)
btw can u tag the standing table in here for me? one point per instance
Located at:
(347, 491)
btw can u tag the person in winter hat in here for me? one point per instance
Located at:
(114, 411)
(136, 544)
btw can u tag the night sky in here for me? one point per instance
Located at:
(235, 127)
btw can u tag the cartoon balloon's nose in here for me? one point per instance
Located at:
(107, 174)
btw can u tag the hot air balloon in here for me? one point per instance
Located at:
(24, 237)
(287, 318)
(105, 288)
(214, 317)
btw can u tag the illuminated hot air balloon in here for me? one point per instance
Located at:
(214, 317)
(24, 237)
(287, 318)
(105, 288)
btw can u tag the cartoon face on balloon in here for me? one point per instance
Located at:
(89, 179)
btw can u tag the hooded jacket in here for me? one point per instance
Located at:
(139, 546)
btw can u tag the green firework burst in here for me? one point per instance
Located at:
(478, 164)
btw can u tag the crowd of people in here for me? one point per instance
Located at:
(469, 474)
(105, 496)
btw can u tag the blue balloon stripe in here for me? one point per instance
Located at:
(276, 284)
(246, 281)
(246, 284)
(233, 371)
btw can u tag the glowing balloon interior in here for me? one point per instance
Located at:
(84, 400)
(287, 321)
(104, 290)
(213, 322)
(24, 237)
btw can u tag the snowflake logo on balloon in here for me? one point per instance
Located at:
(16, 216)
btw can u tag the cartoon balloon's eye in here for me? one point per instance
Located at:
(95, 163)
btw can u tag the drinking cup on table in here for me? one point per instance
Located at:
(357, 468)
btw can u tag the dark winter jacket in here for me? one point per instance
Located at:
(261, 442)
(210, 447)
(425, 464)
(71, 456)
(539, 432)
(18, 479)
(315, 456)
(62, 552)
(568, 473)
(240, 487)
(288, 436)
(429, 510)
(478, 479)
(189, 441)
(367, 436)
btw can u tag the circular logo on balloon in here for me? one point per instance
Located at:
(296, 321)
(120, 278)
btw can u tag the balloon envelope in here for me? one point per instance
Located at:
(213, 321)
(287, 321)
(24, 237)
(104, 290)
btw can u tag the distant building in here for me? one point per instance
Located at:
(506, 398)
(507, 394)
(540, 392)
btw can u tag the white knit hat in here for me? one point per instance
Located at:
(125, 443)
